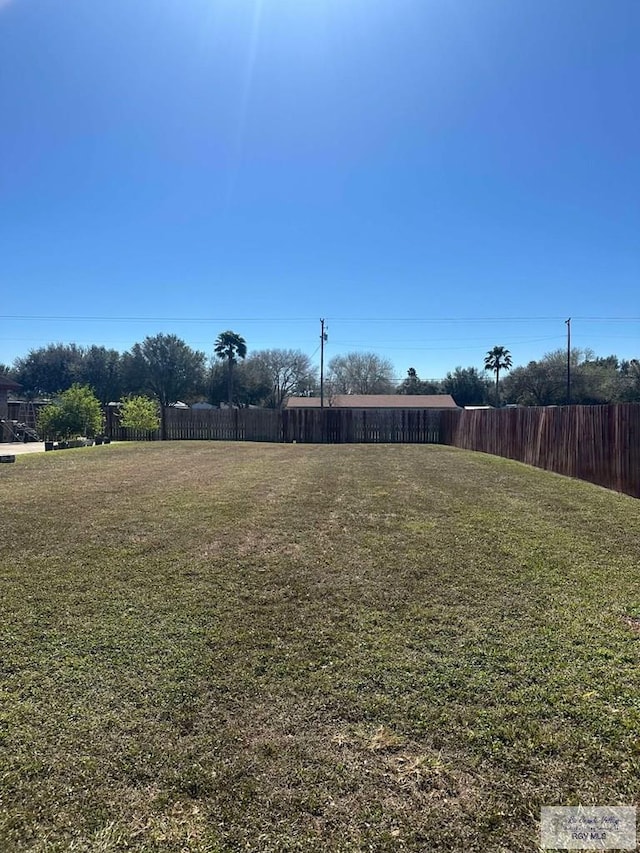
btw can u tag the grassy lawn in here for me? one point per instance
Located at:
(224, 647)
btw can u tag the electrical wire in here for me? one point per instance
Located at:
(430, 320)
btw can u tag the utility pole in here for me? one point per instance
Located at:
(323, 338)
(568, 322)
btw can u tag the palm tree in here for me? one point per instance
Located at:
(498, 359)
(230, 346)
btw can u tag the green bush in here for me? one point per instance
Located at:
(139, 413)
(76, 412)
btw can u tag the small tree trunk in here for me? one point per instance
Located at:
(230, 384)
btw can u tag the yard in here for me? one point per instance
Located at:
(224, 647)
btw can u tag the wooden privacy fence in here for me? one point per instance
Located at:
(207, 424)
(600, 444)
(334, 426)
(349, 426)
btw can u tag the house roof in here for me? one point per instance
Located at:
(375, 401)
(7, 384)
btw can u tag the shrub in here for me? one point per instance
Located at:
(76, 412)
(139, 413)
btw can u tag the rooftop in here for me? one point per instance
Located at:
(375, 401)
(7, 384)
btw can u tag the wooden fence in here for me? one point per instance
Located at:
(600, 444)
(206, 424)
(349, 426)
(333, 426)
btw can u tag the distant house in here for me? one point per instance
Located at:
(6, 385)
(375, 401)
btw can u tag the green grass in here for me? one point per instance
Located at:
(224, 647)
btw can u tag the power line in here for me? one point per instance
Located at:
(105, 319)
(478, 319)
(469, 345)
(413, 320)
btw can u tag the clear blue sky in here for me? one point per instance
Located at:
(258, 164)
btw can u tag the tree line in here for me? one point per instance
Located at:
(165, 367)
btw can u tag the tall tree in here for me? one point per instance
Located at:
(631, 381)
(251, 386)
(360, 373)
(498, 359)
(537, 383)
(230, 346)
(56, 367)
(50, 369)
(594, 380)
(412, 384)
(600, 380)
(165, 366)
(100, 368)
(467, 386)
(287, 371)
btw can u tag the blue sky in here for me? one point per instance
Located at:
(434, 177)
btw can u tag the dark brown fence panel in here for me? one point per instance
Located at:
(600, 444)
(223, 424)
(349, 426)
(206, 425)
(304, 426)
(317, 426)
